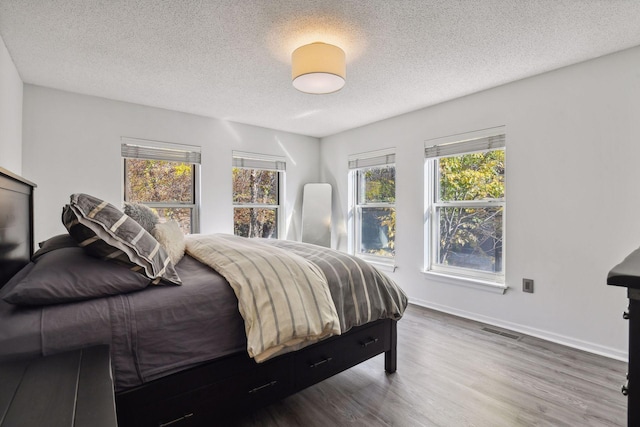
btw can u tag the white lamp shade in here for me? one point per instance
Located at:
(318, 68)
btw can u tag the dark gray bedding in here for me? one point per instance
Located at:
(152, 333)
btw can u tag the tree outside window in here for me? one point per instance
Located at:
(375, 225)
(470, 210)
(167, 187)
(256, 202)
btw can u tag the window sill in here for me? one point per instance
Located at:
(481, 285)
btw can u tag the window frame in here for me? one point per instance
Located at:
(467, 143)
(140, 149)
(267, 162)
(357, 164)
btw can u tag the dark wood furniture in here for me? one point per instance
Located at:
(221, 389)
(218, 388)
(16, 223)
(627, 274)
(72, 389)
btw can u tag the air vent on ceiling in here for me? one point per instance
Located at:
(502, 333)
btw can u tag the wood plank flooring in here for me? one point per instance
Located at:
(452, 373)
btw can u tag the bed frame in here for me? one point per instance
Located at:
(216, 390)
(16, 223)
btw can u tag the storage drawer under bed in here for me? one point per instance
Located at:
(209, 394)
(332, 356)
(257, 386)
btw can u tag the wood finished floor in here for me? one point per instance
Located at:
(452, 373)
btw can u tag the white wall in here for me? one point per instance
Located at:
(10, 113)
(573, 198)
(71, 144)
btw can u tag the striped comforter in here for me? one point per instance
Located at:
(293, 294)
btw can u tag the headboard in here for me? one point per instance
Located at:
(16, 223)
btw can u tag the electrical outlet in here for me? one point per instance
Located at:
(527, 285)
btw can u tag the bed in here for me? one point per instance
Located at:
(181, 351)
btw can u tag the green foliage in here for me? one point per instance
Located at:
(389, 221)
(379, 185)
(475, 176)
(471, 236)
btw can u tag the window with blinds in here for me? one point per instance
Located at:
(258, 187)
(465, 195)
(163, 176)
(372, 189)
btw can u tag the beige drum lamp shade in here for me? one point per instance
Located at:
(318, 68)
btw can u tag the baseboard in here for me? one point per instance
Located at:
(534, 332)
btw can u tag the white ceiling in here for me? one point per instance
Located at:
(229, 59)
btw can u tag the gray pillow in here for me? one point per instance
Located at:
(53, 243)
(67, 275)
(142, 214)
(105, 232)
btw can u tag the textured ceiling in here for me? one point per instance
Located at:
(230, 59)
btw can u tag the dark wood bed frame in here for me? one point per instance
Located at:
(212, 391)
(16, 223)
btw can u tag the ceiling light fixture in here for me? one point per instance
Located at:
(318, 68)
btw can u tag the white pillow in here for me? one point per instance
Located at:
(171, 238)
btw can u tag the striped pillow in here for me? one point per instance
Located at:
(105, 232)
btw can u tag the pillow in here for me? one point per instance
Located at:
(53, 243)
(105, 232)
(67, 275)
(171, 238)
(142, 214)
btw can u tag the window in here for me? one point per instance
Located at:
(258, 183)
(372, 229)
(164, 177)
(465, 186)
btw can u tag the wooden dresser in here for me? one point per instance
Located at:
(627, 274)
(62, 390)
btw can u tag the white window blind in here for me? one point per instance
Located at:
(488, 139)
(155, 150)
(372, 159)
(258, 161)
